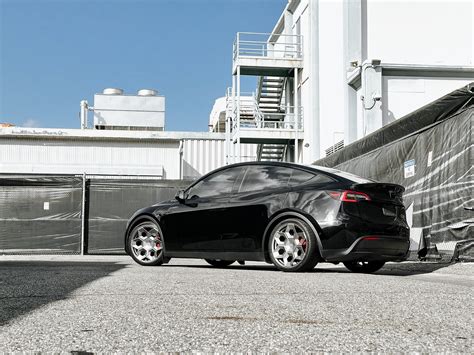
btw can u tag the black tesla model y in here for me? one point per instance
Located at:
(291, 215)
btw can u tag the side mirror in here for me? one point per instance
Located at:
(180, 196)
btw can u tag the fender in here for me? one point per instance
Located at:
(291, 213)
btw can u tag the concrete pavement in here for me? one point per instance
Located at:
(110, 304)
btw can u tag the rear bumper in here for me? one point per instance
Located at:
(371, 248)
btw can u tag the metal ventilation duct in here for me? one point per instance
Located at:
(147, 92)
(112, 91)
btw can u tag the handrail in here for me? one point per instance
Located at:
(273, 120)
(260, 45)
(268, 34)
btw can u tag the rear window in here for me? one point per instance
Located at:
(301, 177)
(355, 178)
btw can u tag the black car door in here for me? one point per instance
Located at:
(260, 193)
(200, 226)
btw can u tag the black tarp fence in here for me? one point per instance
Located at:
(43, 214)
(112, 202)
(430, 153)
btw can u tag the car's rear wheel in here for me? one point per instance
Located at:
(219, 263)
(292, 246)
(366, 267)
(145, 242)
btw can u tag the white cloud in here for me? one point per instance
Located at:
(30, 122)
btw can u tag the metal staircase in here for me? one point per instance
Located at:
(271, 152)
(272, 118)
(270, 91)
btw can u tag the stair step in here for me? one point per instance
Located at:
(275, 108)
(271, 94)
(272, 88)
(269, 100)
(272, 148)
(272, 85)
(272, 79)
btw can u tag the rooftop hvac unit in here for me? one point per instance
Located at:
(116, 111)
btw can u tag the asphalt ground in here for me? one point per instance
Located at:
(110, 304)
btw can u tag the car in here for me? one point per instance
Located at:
(290, 215)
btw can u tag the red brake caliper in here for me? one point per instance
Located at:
(303, 243)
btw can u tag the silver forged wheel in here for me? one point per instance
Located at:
(146, 243)
(289, 243)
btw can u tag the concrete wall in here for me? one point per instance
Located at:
(339, 36)
(421, 32)
(405, 94)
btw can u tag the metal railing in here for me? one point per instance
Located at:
(273, 120)
(267, 45)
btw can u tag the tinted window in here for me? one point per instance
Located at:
(216, 184)
(300, 177)
(265, 177)
(343, 174)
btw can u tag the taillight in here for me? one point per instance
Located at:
(349, 196)
(371, 238)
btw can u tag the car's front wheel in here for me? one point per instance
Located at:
(219, 263)
(145, 242)
(365, 267)
(292, 246)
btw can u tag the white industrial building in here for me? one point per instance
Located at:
(357, 65)
(329, 73)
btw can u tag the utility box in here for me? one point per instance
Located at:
(115, 111)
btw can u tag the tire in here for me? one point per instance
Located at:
(219, 263)
(145, 243)
(365, 267)
(292, 246)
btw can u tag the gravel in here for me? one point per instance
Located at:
(110, 304)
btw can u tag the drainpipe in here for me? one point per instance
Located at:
(83, 214)
(180, 150)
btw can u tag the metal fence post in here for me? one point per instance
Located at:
(83, 214)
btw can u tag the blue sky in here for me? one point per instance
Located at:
(54, 53)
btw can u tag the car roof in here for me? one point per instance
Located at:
(334, 173)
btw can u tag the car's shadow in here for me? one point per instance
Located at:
(28, 285)
(392, 269)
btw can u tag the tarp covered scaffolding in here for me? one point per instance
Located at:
(430, 153)
(44, 214)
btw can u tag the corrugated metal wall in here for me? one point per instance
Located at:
(74, 156)
(56, 155)
(200, 156)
